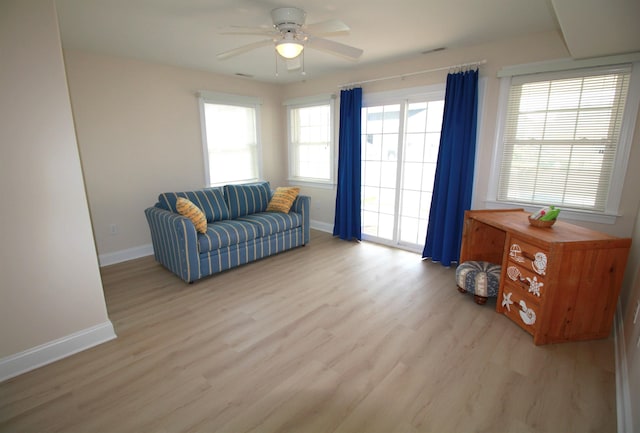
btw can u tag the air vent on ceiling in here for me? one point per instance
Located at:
(435, 50)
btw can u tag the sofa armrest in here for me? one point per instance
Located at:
(301, 205)
(175, 242)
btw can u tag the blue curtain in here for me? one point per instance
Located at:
(453, 183)
(347, 217)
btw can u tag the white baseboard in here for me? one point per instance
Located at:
(623, 397)
(47, 353)
(124, 255)
(323, 227)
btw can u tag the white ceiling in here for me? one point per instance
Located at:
(187, 32)
(594, 28)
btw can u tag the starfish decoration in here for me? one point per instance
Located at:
(506, 300)
(534, 286)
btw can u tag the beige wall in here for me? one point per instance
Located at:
(139, 134)
(139, 131)
(529, 49)
(51, 283)
(628, 299)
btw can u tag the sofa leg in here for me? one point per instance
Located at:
(480, 300)
(461, 290)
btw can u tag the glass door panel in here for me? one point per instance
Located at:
(399, 154)
(380, 134)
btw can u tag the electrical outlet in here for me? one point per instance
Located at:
(113, 229)
(635, 315)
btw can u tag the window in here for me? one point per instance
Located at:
(400, 140)
(561, 142)
(230, 136)
(310, 125)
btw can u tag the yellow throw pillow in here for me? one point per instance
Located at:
(283, 199)
(187, 208)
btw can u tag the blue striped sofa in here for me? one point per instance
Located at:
(239, 230)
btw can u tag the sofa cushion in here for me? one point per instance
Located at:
(186, 208)
(247, 199)
(221, 234)
(209, 200)
(282, 199)
(274, 222)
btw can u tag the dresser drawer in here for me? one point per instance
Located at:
(519, 309)
(525, 280)
(528, 256)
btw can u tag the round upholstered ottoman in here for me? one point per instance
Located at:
(481, 279)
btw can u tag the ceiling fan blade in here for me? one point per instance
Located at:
(248, 32)
(241, 30)
(334, 47)
(244, 49)
(326, 28)
(294, 64)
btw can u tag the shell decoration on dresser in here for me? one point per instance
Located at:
(539, 264)
(514, 273)
(535, 285)
(527, 315)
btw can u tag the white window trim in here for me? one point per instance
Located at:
(566, 64)
(411, 94)
(311, 101)
(612, 209)
(205, 96)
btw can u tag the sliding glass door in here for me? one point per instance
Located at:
(399, 153)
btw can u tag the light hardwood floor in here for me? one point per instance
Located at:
(333, 337)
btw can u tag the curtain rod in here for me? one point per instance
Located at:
(426, 71)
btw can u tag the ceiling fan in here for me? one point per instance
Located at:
(290, 36)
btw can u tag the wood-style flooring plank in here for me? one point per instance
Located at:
(335, 337)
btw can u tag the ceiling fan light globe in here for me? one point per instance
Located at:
(289, 49)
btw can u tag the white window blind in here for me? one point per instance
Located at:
(561, 136)
(230, 136)
(311, 142)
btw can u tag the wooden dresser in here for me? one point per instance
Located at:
(558, 284)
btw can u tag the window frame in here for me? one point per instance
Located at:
(623, 150)
(305, 102)
(207, 97)
(403, 97)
